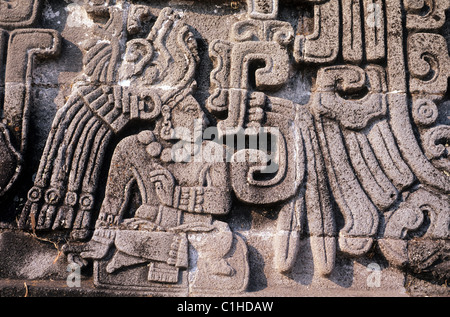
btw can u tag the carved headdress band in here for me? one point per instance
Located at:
(159, 70)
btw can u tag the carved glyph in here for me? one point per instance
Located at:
(18, 50)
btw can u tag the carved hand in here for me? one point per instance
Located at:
(164, 185)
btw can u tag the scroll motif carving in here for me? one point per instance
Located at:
(322, 46)
(259, 42)
(425, 14)
(409, 218)
(429, 63)
(18, 49)
(428, 58)
(19, 13)
(401, 127)
(425, 112)
(341, 80)
(436, 142)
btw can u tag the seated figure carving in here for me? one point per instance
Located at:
(179, 196)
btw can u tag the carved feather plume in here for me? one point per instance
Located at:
(166, 59)
(160, 68)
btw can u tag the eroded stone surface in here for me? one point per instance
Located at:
(225, 148)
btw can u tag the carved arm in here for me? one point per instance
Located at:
(212, 198)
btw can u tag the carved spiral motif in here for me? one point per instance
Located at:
(436, 142)
(87, 201)
(35, 194)
(425, 112)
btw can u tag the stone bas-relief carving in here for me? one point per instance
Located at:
(227, 149)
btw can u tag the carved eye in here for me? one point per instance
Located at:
(191, 108)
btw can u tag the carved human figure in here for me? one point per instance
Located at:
(178, 196)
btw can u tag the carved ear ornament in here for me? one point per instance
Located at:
(138, 55)
(167, 130)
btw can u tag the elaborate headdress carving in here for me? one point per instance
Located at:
(165, 61)
(156, 73)
(162, 66)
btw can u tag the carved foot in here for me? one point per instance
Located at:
(221, 267)
(78, 253)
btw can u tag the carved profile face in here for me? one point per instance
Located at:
(188, 118)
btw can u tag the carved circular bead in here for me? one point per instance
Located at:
(52, 196)
(35, 194)
(166, 155)
(165, 110)
(154, 149)
(71, 199)
(146, 137)
(87, 201)
(425, 112)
